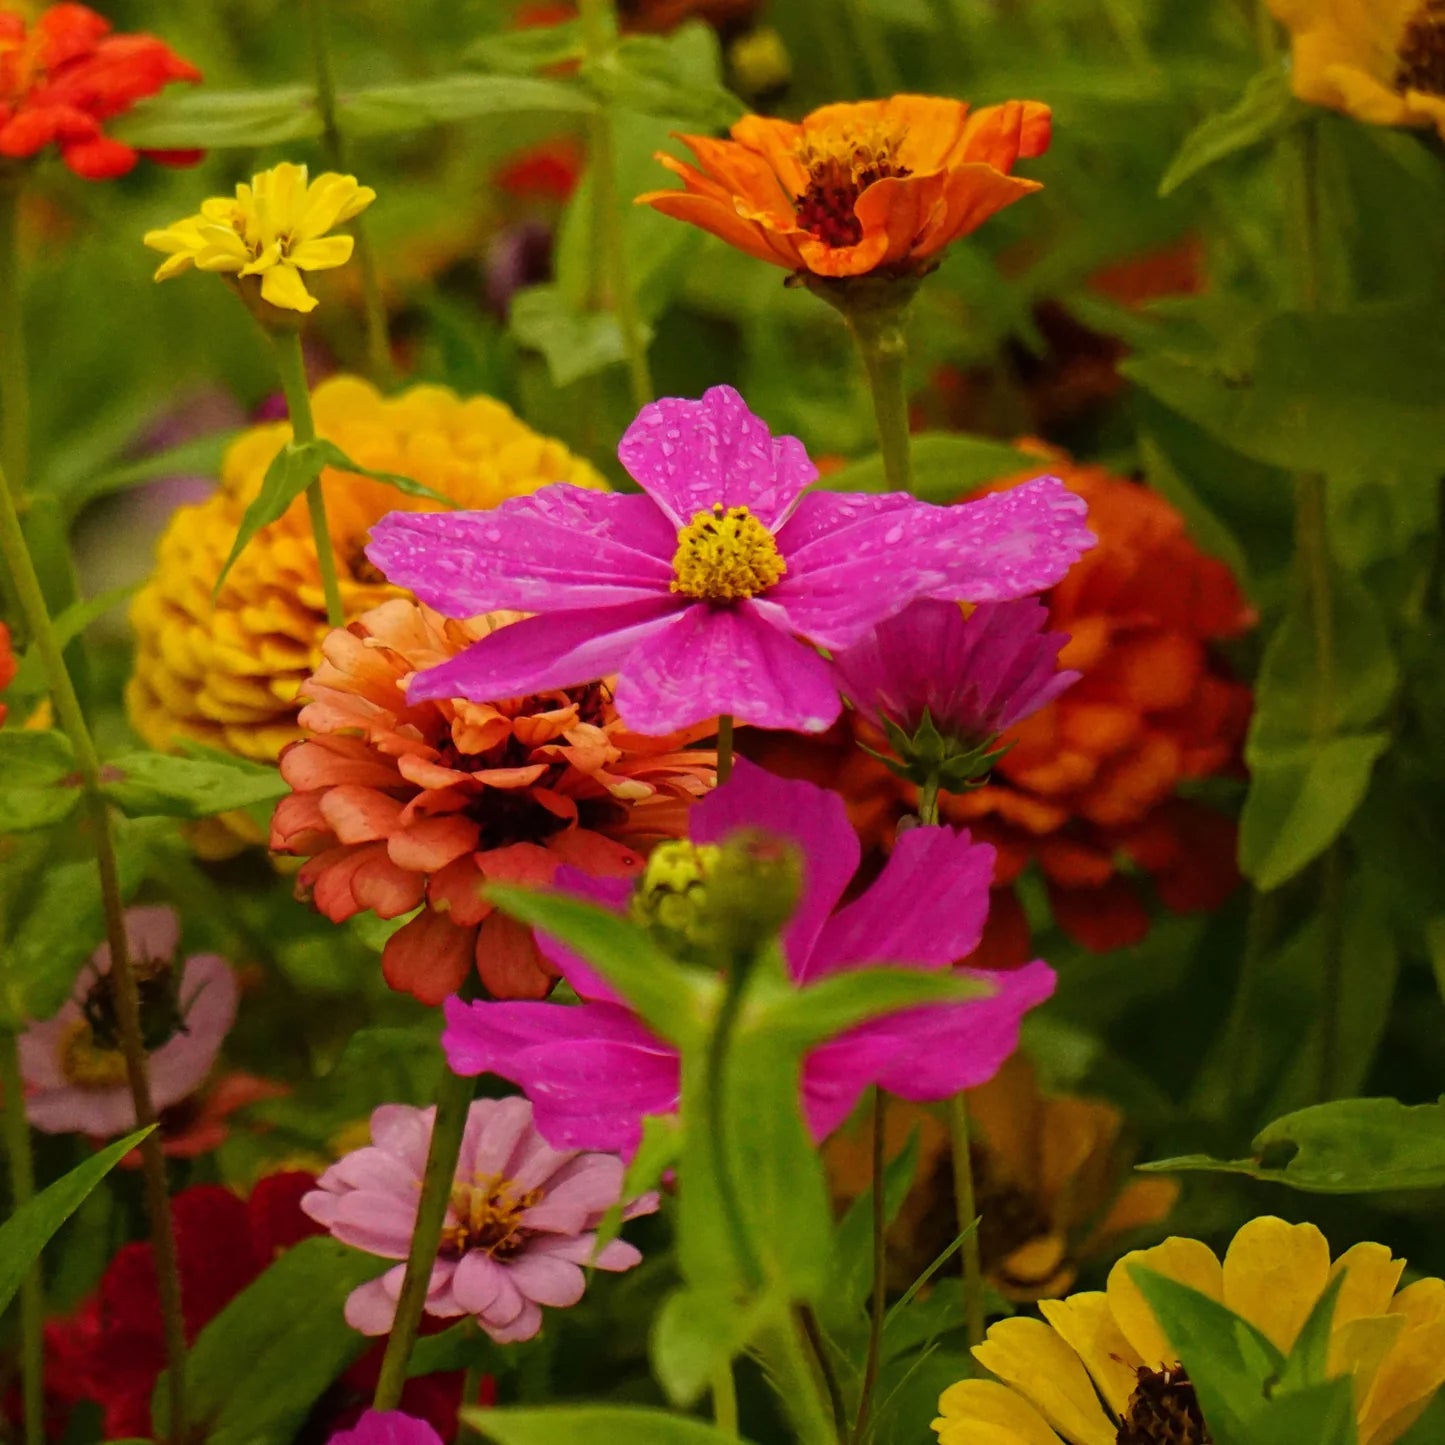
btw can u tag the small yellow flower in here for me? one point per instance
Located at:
(1381, 61)
(275, 228)
(1097, 1369)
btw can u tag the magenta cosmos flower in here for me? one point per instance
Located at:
(974, 676)
(74, 1072)
(704, 594)
(521, 1224)
(593, 1070)
(387, 1427)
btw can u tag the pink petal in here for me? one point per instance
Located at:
(101, 1113)
(560, 548)
(611, 893)
(495, 1128)
(524, 1327)
(379, 1224)
(404, 1131)
(208, 1005)
(688, 455)
(478, 1283)
(547, 1280)
(370, 1308)
(715, 660)
(560, 649)
(374, 1170)
(387, 1427)
(587, 1186)
(150, 933)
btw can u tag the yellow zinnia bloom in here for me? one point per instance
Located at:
(1381, 61)
(225, 673)
(275, 228)
(1098, 1369)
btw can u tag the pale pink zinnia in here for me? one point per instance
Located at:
(520, 1226)
(712, 591)
(72, 1066)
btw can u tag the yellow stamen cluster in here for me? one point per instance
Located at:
(85, 1063)
(724, 555)
(487, 1215)
(851, 154)
(672, 896)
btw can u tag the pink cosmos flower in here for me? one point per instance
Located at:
(593, 1070)
(387, 1427)
(974, 675)
(520, 1227)
(74, 1073)
(704, 594)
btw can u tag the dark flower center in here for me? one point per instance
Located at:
(840, 168)
(160, 1014)
(1422, 51)
(1163, 1410)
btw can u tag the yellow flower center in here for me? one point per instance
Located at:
(841, 165)
(86, 1063)
(725, 554)
(1163, 1410)
(487, 1214)
(1422, 51)
(672, 896)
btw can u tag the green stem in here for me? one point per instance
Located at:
(453, 1101)
(471, 1388)
(818, 1346)
(724, 748)
(928, 801)
(963, 1192)
(378, 340)
(22, 1191)
(797, 1382)
(14, 366)
(599, 28)
(17, 559)
(880, 1269)
(885, 357)
(291, 363)
(725, 1398)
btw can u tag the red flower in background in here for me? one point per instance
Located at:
(7, 666)
(64, 76)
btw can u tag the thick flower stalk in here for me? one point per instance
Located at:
(65, 76)
(1381, 61)
(1098, 1368)
(709, 594)
(923, 1054)
(402, 804)
(275, 228)
(520, 1225)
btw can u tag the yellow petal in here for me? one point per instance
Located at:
(1087, 1325)
(1185, 1260)
(1359, 1348)
(1371, 1275)
(358, 201)
(1411, 1373)
(173, 266)
(283, 286)
(323, 254)
(1028, 1355)
(1274, 1273)
(1422, 1303)
(331, 199)
(268, 258)
(970, 1405)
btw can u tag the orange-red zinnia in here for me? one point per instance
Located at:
(398, 806)
(861, 187)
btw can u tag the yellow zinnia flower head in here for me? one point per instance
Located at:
(1098, 1369)
(275, 228)
(226, 673)
(1381, 61)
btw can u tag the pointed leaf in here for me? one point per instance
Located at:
(799, 1017)
(1265, 111)
(292, 470)
(144, 783)
(37, 786)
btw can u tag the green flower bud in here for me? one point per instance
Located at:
(671, 899)
(753, 891)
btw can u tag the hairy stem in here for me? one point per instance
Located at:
(22, 1191)
(725, 1398)
(16, 555)
(797, 1382)
(14, 365)
(963, 1192)
(885, 357)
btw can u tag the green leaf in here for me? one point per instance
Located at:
(202, 455)
(26, 1233)
(29, 680)
(1323, 1414)
(1351, 1146)
(524, 52)
(660, 1149)
(1265, 111)
(449, 99)
(1308, 1361)
(946, 466)
(1301, 796)
(142, 784)
(799, 1018)
(287, 1328)
(596, 1424)
(216, 119)
(670, 998)
(675, 76)
(33, 770)
(697, 1333)
(574, 343)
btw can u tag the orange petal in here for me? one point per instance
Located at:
(429, 958)
(1000, 135)
(509, 962)
(725, 223)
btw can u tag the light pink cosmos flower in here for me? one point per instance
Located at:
(387, 1427)
(521, 1224)
(74, 1073)
(593, 1070)
(974, 675)
(710, 593)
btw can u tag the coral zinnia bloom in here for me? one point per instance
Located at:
(62, 78)
(8, 667)
(400, 804)
(1381, 61)
(696, 594)
(520, 1226)
(1052, 1181)
(593, 1070)
(72, 1065)
(275, 228)
(226, 673)
(1101, 1369)
(858, 187)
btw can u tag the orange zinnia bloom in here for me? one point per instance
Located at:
(401, 806)
(61, 78)
(861, 187)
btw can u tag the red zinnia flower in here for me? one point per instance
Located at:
(7, 666)
(63, 77)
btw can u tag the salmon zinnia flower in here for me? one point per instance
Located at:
(1381, 61)
(858, 187)
(399, 806)
(63, 77)
(1099, 1368)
